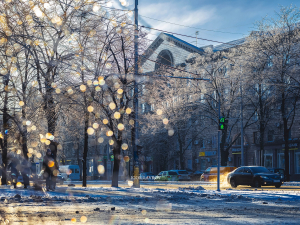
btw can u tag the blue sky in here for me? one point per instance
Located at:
(228, 19)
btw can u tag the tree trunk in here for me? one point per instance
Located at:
(261, 126)
(261, 142)
(4, 142)
(85, 149)
(115, 178)
(78, 159)
(50, 108)
(286, 149)
(286, 137)
(24, 144)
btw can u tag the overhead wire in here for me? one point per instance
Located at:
(190, 26)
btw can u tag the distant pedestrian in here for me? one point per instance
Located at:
(49, 168)
(25, 171)
(14, 172)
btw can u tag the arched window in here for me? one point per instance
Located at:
(165, 57)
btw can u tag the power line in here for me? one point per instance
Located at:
(156, 28)
(190, 26)
(204, 39)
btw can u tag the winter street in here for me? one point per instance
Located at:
(194, 205)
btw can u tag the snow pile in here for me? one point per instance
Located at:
(199, 188)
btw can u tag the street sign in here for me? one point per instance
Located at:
(201, 153)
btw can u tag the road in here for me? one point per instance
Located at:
(183, 184)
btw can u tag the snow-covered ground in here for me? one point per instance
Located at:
(125, 205)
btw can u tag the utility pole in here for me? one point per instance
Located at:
(197, 32)
(242, 130)
(136, 181)
(242, 125)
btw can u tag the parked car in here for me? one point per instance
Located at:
(167, 176)
(255, 176)
(196, 175)
(211, 173)
(279, 171)
(147, 176)
(70, 172)
(182, 175)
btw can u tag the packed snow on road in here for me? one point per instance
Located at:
(189, 205)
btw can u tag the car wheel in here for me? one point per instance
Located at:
(256, 184)
(233, 183)
(278, 185)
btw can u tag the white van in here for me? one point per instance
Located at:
(70, 172)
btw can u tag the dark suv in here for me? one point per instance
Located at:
(255, 176)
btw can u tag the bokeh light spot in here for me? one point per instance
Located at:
(51, 163)
(83, 219)
(159, 112)
(124, 146)
(101, 169)
(90, 131)
(100, 139)
(165, 121)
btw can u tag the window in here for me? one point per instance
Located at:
(297, 162)
(247, 170)
(255, 117)
(190, 165)
(225, 71)
(143, 90)
(281, 162)
(240, 170)
(238, 141)
(269, 160)
(256, 137)
(271, 135)
(202, 98)
(214, 141)
(270, 61)
(290, 134)
(201, 142)
(143, 107)
(152, 107)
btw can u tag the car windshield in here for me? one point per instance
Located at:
(182, 172)
(260, 170)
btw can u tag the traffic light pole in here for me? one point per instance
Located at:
(242, 130)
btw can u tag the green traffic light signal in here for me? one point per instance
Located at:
(222, 123)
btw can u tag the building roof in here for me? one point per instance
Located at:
(228, 45)
(178, 39)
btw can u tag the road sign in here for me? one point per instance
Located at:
(201, 153)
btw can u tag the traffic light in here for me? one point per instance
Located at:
(222, 123)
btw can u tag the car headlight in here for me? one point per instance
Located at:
(264, 177)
